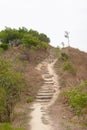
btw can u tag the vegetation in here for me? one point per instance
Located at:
(4, 46)
(67, 66)
(29, 38)
(64, 56)
(30, 99)
(10, 82)
(20, 50)
(72, 69)
(7, 126)
(77, 98)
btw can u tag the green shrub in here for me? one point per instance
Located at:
(2, 104)
(30, 41)
(11, 83)
(67, 66)
(43, 45)
(4, 46)
(44, 38)
(64, 56)
(22, 35)
(33, 42)
(7, 126)
(1, 50)
(30, 99)
(77, 98)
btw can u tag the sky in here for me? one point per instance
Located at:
(52, 17)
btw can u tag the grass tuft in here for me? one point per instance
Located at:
(7, 126)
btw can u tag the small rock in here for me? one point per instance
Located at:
(64, 117)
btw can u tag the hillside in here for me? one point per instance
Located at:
(22, 85)
(20, 52)
(71, 106)
(75, 63)
(32, 80)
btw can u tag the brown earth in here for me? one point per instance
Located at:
(79, 62)
(25, 61)
(62, 115)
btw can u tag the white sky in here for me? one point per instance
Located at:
(51, 17)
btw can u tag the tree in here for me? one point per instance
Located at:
(29, 37)
(23, 30)
(44, 38)
(30, 41)
(34, 33)
(10, 82)
(67, 36)
(62, 43)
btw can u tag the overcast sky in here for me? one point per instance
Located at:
(51, 17)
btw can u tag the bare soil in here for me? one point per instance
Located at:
(25, 61)
(62, 115)
(53, 114)
(46, 96)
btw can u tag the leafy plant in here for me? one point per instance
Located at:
(4, 46)
(30, 99)
(44, 38)
(10, 82)
(67, 66)
(2, 103)
(77, 98)
(30, 41)
(22, 35)
(64, 56)
(7, 126)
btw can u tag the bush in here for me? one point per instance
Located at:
(7, 126)
(10, 82)
(2, 104)
(4, 46)
(22, 35)
(30, 41)
(64, 56)
(30, 99)
(44, 38)
(67, 66)
(1, 50)
(77, 98)
(43, 45)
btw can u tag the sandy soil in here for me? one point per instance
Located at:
(47, 112)
(46, 97)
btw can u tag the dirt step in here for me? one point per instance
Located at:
(46, 90)
(45, 94)
(48, 86)
(43, 67)
(45, 72)
(50, 83)
(44, 100)
(47, 76)
(48, 80)
(43, 97)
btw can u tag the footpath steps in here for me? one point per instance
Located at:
(46, 92)
(46, 96)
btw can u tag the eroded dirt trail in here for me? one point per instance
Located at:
(46, 96)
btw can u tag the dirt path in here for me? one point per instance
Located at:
(46, 96)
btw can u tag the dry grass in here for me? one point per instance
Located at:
(79, 62)
(25, 61)
(61, 111)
